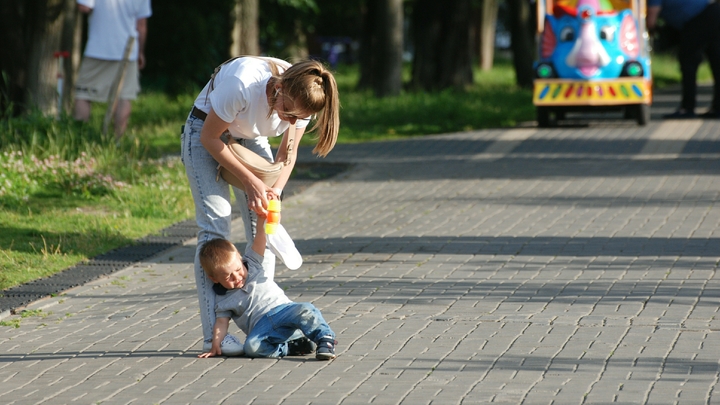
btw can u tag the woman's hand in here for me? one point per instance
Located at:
(257, 193)
(274, 194)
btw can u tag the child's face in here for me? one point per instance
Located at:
(233, 274)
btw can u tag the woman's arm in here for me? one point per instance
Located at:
(142, 36)
(282, 155)
(651, 18)
(255, 189)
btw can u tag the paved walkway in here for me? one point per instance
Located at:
(575, 265)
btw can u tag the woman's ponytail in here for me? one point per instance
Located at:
(314, 87)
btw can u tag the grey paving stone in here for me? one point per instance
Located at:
(553, 266)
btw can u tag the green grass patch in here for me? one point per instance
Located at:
(494, 101)
(666, 70)
(47, 228)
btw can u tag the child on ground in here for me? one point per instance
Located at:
(275, 326)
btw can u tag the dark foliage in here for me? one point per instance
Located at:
(186, 40)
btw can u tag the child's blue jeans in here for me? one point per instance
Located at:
(284, 323)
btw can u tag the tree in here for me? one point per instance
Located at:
(32, 32)
(522, 33)
(70, 42)
(382, 47)
(245, 37)
(182, 51)
(12, 57)
(368, 44)
(442, 37)
(285, 27)
(488, 23)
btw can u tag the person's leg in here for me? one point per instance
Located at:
(262, 148)
(310, 321)
(712, 51)
(306, 317)
(122, 115)
(271, 334)
(127, 93)
(81, 110)
(691, 47)
(212, 213)
(84, 90)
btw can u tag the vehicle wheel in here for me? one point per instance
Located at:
(543, 117)
(643, 114)
(629, 112)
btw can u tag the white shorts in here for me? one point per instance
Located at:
(96, 76)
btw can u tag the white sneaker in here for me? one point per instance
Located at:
(282, 245)
(230, 346)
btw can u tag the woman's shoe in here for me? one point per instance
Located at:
(230, 346)
(679, 115)
(710, 114)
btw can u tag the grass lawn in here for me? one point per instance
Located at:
(68, 194)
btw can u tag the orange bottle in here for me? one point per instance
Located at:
(273, 216)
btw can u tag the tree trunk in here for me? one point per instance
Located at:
(442, 37)
(382, 47)
(245, 37)
(488, 23)
(298, 48)
(387, 70)
(522, 31)
(45, 29)
(13, 57)
(367, 53)
(70, 42)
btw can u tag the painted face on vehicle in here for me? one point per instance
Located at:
(588, 43)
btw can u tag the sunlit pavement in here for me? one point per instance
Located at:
(570, 265)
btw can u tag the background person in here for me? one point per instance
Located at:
(698, 22)
(110, 24)
(252, 99)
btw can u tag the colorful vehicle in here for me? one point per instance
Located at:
(593, 56)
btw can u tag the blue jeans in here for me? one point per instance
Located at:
(213, 210)
(284, 323)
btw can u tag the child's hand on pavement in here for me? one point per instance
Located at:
(214, 351)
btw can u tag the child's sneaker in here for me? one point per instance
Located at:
(300, 347)
(325, 348)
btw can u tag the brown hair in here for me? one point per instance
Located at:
(313, 88)
(216, 253)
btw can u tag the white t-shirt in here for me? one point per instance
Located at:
(238, 97)
(110, 24)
